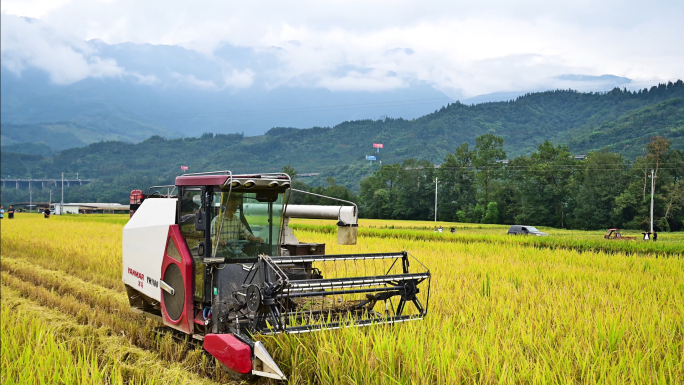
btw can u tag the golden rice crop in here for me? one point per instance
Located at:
(30, 351)
(499, 313)
(668, 244)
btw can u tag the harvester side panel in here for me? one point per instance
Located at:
(143, 245)
(177, 276)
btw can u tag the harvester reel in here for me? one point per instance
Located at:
(410, 291)
(253, 298)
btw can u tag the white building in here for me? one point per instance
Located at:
(76, 208)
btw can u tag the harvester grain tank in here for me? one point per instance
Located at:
(213, 256)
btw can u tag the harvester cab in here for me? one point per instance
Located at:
(214, 257)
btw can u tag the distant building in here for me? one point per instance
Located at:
(503, 161)
(90, 208)
(580, 157)
(30, 206)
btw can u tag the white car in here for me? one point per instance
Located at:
(526, 230)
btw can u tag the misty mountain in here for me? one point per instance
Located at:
(582, 83)
(128, 91)
(175, 92)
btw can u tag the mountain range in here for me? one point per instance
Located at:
(621, 120)
(175, 92)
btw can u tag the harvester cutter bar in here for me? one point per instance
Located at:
(342, 324)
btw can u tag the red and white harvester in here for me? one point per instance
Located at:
(213, 257)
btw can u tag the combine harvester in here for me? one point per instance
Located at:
(615, 234)
(213, 257)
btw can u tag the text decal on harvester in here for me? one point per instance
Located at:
(152, 282)
(136, 274)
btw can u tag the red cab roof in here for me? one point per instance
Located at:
(217, 179)
(201, 180)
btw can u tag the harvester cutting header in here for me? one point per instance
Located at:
(213, 256)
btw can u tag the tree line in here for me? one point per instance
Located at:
(546, 188)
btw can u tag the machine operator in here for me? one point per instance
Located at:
(231, 227)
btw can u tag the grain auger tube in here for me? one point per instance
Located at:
(213, 257)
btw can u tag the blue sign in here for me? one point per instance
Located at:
(370, 157)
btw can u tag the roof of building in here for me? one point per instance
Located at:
(100, 206)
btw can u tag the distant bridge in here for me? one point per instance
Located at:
(42, 183)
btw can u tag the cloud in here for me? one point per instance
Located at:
(462, 48)
(587, 78)
(373, 81)
(192, 81)
(67, 59)
(395, 51)
(239, 79)
(147, 79)
(232, 79)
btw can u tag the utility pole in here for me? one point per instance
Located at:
(653, 178)
(50, 202)
(436, 199)
(30, 199)
(61, 205)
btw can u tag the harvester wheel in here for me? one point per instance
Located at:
(235, 376)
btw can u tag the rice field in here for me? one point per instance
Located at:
(567, 309)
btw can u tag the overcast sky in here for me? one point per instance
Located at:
(463, 48)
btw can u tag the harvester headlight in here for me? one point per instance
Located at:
(273, 184)
(235, 184)
(285, 185)
(249, 184)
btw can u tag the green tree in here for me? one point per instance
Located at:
(633, 204)
(289, 170)
(456, 183)
(488, 151)
(542, 181)
(674, 198)
(461, 216)
(416, 183)
(477, 214)
(379, 192)
(599, 181)
(492, 213)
